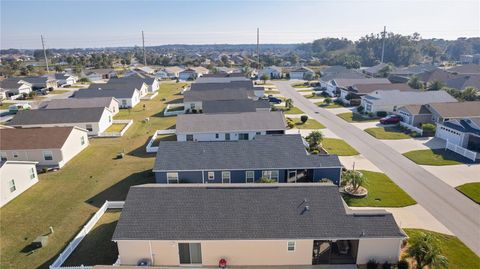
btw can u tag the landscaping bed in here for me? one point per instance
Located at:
(389, 133)
(331, 105)
(436, 157)
(338, 146)
(116, 127)
(356, 117)
(471, 190)
(382, 192)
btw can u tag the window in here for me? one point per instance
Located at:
(124, 103)
(211, 175)
(47, 155)
(227, 136)
(190, 253)
(225, 176)
(109, 118)
(11, 185)
(216, 136)
(189, 137)
(82, 140)
(249, 176)
(243, 136)
(15, 155)
(89, 127)
(32, 173)
(258, 133)
(270, 174)
(172, 177)
(291, 246)
(3, 156)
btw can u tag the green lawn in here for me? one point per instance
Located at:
(355, 117)
(116, 127)
(471, 190)
(325, 105)
(269, 92)
(58, 91)
(458, 254)
(433, 157)
(310, 124)
(293, 110)
(390, 133)
(300, 85)
(338, 146)
(67, 199)
(5, 105)
(382, 192)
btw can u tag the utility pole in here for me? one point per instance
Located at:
(44, 52)
(384, 33)
(258, 48)
(143, 45)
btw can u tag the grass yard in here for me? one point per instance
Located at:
(58, 91)
(382, 192)
(433, 157)
(389, 133)
(471, 190)
(311, 91)
(338, 146)
(355, 117)
(314, 96)
(293, 110)
(5, 105)
(66, 199)
(300, 85)
(116, 127)
(325, 105)
(100, 237)
(310, 124)
(458, 254)
(269, 92)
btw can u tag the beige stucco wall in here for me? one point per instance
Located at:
(20, 173)
(387, 249)
(73, 145)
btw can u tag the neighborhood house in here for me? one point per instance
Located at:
(15, 178)
(109, 102)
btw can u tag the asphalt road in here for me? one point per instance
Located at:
(458, 213)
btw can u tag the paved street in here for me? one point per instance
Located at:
(455, 211)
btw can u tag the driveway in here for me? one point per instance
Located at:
(455, 211)
(456, 175)
(406, 145)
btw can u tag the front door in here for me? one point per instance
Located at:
(190, 253)
(292, 176)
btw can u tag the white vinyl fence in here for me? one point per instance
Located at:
(57, 264)
(472, 155)
(173, 110)
(151, 149)
(118, 134)
(149, 96)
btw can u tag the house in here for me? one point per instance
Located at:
(229, 126)
(221, 78)
(200, 70)
(95, 120)
(355, 92)
(251, 225)
(235, 106)
(15, 178)
(302, 73)
(272, 72)
(109, 102)
(415, 115)
(143, 84)
(435, 75)
(126, 90)
(193, 100)
(100, 75)
(391, 100)
(375, 71)
(233, 84)
(65, 79)
(466, 69)
(243, 161)
(173, 71)
(336, 72)
(463, 133)
(41, 83)
(14, 87)
(463, 81)
(335, 86)
(188, 74)
(48, 146)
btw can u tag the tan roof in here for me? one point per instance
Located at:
(416, 109)
(368, 88)
(34, 138)
(457, 109)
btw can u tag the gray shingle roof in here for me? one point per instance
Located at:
(340, 72)
(260, 212)
(229, 106)
(10, 83)
(52, 116)
(264, 152)
(345, 83)
(230, 122)
(209, 95)
(104, 92)
(394, 97)
(233, 85)
(80, 102)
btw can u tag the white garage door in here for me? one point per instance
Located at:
(448, 134)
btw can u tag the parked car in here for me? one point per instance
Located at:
(16, 107)
(274, 100)
(391, 119)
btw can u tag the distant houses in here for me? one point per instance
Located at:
(352, 95)
(271, 72)
(302, 73)
(100, 75)
(14, 87)
(336, 85)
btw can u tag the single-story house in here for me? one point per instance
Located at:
(415, 115)
(221, 78)
(251, 225)
(15, 178)
(142, 84)
(109, 102)
(229, 126)
(436, 75)
(95, 120)
(342, 83)
(413, 70)
(188, 74)
(193, 100)
(355, 92)
(336, 72)
(390, 101)
(272, 72)
(127, 96)
(464, 133)
(235, 106)
(40, 83)
(14, 87)
(48, 146)
(201, 70)
(302, 73)
(466, 69)
(65, 79)
(243, 161)
(374, 71)
(463, 81)
(100, 75)
(173, 71)
(233, 84)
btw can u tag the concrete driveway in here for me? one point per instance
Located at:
(455, 211)
(456, 175)
(360, 162)
(339, 110)
(406, 145)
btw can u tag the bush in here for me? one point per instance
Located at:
(386, 265)
(84, 80)
(267, 180)
(414, 134)
(428, 127)
(304, 118)
(360, 109)
(403, 264)
(325, 94)
(371, 114)
(381, 114)
(327, 100)
(372, 264)
(290, 123)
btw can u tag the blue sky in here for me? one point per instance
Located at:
(67, 24)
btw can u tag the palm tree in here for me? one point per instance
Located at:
(355, 178)
(436, 86)
(288, 103)
(415, 83)
(425, 249)
(315, 138)
(264, 77)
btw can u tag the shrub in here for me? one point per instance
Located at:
(428, 127)
(372, 264)
(371, 114)
(327, 100)
(403, 264)
(386, 265)
(381, 114)
(267, 180)
(414, 134)
(325, 94)
(315, 152)
(304, 118)
(360, 109)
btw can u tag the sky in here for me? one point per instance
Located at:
(89, 23)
